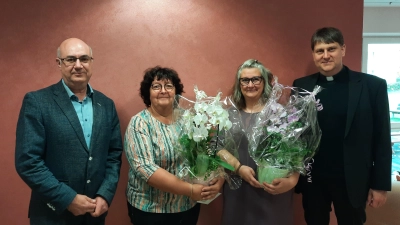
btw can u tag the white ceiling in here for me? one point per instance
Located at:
(380, 3)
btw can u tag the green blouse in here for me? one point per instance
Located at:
(148, 146)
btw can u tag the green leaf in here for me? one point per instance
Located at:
(202, 163)
(222, 163)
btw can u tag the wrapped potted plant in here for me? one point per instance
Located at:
(204, 123)
(286, 134)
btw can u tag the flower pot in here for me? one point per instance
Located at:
(269, 173)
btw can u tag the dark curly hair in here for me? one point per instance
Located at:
(158, 73)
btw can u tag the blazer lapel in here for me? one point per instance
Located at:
(355, 88)
(64, 102)
(309, 85)
(97, 117)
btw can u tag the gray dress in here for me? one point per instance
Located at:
(254, 206)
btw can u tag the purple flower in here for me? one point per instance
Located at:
(292, 118)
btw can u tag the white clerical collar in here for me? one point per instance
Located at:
(329, 78)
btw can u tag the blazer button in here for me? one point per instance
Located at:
(90, 158)
(88, 181)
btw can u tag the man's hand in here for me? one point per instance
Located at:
(281, 185)
(209, 192)
(81, 205)
(101, 207)
(247, 174)
(376, 198)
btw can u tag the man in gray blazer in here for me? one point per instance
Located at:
(69, 145)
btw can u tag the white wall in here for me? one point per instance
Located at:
(381, 25)
(381, 20)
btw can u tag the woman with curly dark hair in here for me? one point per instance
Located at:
(155, 194)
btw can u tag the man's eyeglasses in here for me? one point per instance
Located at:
(158, 87)
(254, 80)
(70, 61)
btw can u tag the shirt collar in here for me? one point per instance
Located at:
(342, 76)
(89, 91)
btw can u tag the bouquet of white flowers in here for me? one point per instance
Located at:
(207, 126)
(286, 134)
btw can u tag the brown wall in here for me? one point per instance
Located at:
(205, 41)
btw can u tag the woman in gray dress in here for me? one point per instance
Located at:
(255, 203)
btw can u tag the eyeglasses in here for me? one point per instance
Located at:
(70, 61)
(158, 87)
(254, 80)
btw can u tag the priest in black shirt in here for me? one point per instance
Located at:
(352, 167)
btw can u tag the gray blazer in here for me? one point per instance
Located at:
(52, 157)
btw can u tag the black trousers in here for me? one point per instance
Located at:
(318, 197)
(188, 217)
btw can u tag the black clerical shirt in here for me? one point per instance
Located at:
(329, 160)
